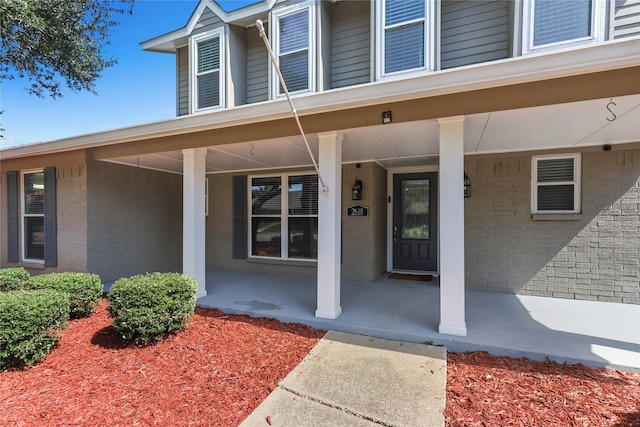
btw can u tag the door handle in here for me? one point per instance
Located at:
(395, 233)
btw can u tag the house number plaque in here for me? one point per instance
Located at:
(357, 210)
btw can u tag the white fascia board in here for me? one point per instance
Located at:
(166, 43)
(230, 17)
(608, 56)
(169, 42)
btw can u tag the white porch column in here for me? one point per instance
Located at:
(452, 306)
(193, 216)
(329, 225)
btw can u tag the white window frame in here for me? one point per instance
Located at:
(309, 6)
(429, 40)
(284, 215)
(576, 182)
(193, 66)
(598, 12)
(24, 215)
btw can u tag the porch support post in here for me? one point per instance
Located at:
(329, 225)
(452, 305)
(193, 216)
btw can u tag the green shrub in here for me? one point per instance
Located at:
(13, 279)
(84, 289)
(149, 307)
(30, 324)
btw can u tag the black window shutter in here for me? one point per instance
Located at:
(13, 218)
(240, 217)
(50, 222)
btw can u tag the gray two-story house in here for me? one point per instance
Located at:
(494, 144)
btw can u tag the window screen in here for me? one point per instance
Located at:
(293, 38)
(556, 184)
(208, 73)
(404, 35)
(291, 226)
(303, 217)
(33, 215)
(556, 21)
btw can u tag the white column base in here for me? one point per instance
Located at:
(460, 331)
(329, 314)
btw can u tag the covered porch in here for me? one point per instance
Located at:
(592, 333)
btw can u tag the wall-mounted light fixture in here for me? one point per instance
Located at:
(386, 117)
(467, 186)
(356, 190)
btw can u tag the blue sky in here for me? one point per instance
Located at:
(139, 89)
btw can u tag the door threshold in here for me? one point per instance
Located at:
(416, 272)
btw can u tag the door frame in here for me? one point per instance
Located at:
(390, 173)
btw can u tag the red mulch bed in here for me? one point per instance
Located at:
(213, 373)
(484, 390)
(216, 371)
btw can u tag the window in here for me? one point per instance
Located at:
(33, 216)
(556, 184)
(293, 42)
(553, 23)
(284, 224)
(404, 36)
(207, 65)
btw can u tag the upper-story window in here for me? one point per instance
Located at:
(552, 23)
(207, 75)
(293, 36)
(405, 34)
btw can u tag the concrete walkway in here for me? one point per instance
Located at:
(354, 380)
(593, 333)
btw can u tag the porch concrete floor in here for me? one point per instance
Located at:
(593, 333)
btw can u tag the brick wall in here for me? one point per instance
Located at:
(364, 250)
(593, 256)
(134, 220)
(71, 186)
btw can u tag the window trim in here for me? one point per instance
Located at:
(309, 5)
(284, 216)
(429, 41)
(577, 181)
(193, 66)
(598, 12)
(24, 215)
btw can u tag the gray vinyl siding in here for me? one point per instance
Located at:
(208, 21)
(182, 58)
(257, 67)
(237, 67)
(626, 19)
(474, 32)
(350, 43)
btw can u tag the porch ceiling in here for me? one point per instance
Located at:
(577, 124)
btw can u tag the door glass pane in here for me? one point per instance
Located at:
(415, 209)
